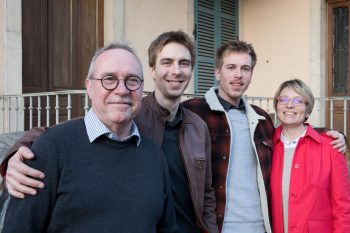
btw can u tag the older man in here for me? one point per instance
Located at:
(183, 136)
(101, 176)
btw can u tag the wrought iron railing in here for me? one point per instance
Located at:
(24, 111)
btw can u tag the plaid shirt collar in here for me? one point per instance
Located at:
(95, 128)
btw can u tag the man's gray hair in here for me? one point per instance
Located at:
(110, 46)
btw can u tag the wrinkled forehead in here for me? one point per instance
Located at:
(119, 62)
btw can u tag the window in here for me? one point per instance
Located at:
(216, 21)
(340, 47)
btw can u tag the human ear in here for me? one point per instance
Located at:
(217, 74)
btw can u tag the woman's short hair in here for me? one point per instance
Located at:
(302, 89)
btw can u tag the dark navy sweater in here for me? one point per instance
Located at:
(104, 186)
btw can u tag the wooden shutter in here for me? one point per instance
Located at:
(228, 23)
(216, 21)
(59, 40)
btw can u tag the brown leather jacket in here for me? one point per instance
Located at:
(26, 140)
(195, 149)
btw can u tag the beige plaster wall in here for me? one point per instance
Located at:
(10, 47)
(289, 39)
(144, 21)
(280, 34)
(114, 20)
(287, 36)
(14, 46)
(2, 46)
(135, 21)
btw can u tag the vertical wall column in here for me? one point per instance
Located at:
(13, 47)
(10, 60)
(317, 56)
(114, 21)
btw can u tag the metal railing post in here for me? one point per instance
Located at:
(8, 114)
(86, 104)
(69, 106)
(30, 112)
(39, 111)
(48, 110)
(3, 114)
(9, 110)
(57, 108)
(16, 113)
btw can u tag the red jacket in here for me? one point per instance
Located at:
(319, 195)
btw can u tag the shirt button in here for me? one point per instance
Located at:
(224, 157)
(296, 166)
(221, 187)
(294, 195)
(220, 215)
(227, 130)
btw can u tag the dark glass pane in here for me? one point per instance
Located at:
(340, 50)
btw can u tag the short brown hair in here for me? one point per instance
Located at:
(237, 46)
(168, 37)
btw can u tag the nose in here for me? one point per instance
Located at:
(290, 104)
(237, 73)
(121, 88)
(176, 69)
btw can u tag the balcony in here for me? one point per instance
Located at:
(21, 112)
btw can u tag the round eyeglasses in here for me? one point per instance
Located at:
(284, 100)
(110, 82)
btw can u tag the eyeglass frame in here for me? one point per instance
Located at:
(117, 81)
(291, 100)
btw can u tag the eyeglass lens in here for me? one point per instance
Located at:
(285, 100)
(132, 83)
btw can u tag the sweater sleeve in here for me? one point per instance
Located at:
(31, 214)
(340, 193)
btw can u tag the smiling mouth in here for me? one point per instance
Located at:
(289, 113)
(124, 103)
(236, 84)
(175, 82)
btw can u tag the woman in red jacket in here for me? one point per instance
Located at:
(310, 188)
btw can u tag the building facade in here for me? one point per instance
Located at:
(46, 45)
